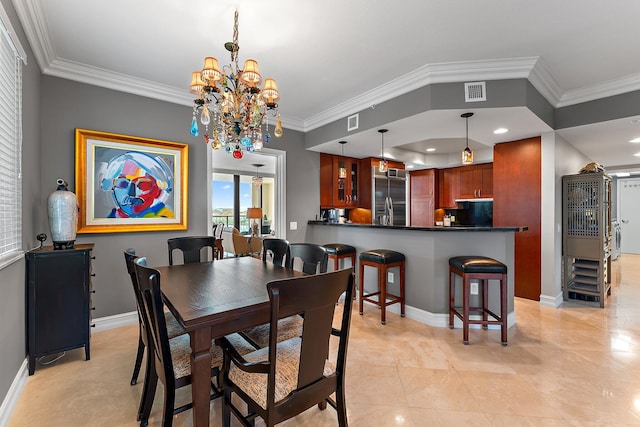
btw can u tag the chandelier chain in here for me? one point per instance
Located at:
(236, 48)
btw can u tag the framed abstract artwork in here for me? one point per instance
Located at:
(128, 183)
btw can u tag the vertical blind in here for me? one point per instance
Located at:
(11, 59)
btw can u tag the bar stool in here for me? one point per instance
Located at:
(382, 260)
(482, 269)
(338, 251)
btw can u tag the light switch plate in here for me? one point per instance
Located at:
(473, 289)
(293, 225)
(389, 277)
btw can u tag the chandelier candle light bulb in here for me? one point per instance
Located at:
(232, 103)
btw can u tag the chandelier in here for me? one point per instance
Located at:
(233, 104)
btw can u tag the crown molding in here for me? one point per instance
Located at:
(34, 23)
(542, 79)
(111, 80)
(446, 72)
(610, 88)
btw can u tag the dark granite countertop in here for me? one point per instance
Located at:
(466, 228)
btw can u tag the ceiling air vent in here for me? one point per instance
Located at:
(475, 91)
(352, 122)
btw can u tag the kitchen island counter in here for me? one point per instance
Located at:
(427, 251)
(470, 228)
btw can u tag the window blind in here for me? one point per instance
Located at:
(11, 58)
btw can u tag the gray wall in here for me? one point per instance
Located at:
(12, 313)
(72, 105)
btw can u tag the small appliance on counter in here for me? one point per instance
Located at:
(333, 216)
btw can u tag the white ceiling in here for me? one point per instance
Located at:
(332, 58)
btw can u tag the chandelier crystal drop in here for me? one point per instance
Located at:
(231, 102)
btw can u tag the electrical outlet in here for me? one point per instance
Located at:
(293, 225)
(389, 277)
(473, 288)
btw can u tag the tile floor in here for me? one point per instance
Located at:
(574, 366)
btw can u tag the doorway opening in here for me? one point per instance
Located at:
(231, 191)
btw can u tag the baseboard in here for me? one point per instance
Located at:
(102, 324)
(115, 321)
(550, 301)
(439, 320)
(11, 399)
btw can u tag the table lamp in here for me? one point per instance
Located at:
(254, 213)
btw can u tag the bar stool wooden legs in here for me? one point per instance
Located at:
(382, 260)
(482, 269)
(339, 251)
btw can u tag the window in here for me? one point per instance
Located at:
(12, 57)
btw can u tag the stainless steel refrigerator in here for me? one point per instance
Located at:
(389, 197)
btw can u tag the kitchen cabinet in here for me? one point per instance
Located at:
(423, 191)
(345, 191)
(58, 287)
(475, 181)
(326, 181)
(338, 184)
(447, 188)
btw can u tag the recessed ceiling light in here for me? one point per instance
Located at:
(431, 149)
(635, 140)
(623, 174)
(637, 154)
(500, 130)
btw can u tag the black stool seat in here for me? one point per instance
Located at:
(477, 264)
(382, 256)
(339, 249)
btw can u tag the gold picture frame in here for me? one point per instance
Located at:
(129, 184)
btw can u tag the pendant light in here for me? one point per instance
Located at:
(257, 180)
(383, 165)
(342, 171)
(467, 154)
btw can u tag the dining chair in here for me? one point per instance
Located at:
(277, 250)
(173, 327)
(191, 247)
(314, 257)
(218, 252)
(171, 358)
(286, 378)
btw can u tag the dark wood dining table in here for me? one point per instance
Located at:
(213, 299)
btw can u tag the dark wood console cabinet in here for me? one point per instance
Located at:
(58, 287)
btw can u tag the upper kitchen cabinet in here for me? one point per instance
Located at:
(475, 181)
(338, 181)
(365, 179)
(326, 180)
(447, 188)
(423, 190)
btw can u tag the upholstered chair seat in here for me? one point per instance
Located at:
(287, 361)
